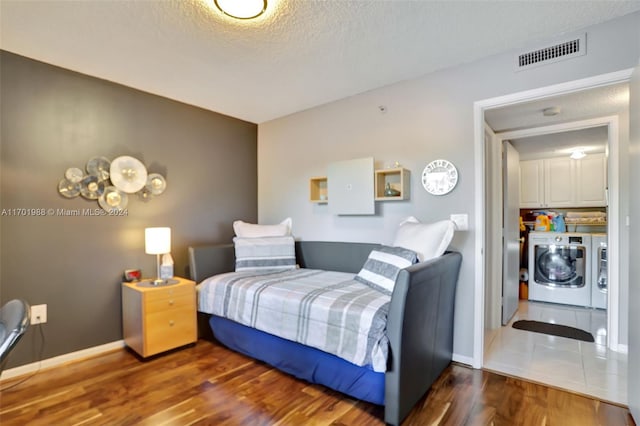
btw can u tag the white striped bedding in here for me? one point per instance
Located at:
(327, 310)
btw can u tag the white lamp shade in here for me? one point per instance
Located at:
(157, 240)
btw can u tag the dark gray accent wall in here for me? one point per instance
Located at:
(52, 119)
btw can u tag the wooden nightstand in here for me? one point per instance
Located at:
(156, 319)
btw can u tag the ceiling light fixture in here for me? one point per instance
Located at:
(242, 9)
(578, 154)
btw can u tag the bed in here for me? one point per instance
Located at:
(418, 332)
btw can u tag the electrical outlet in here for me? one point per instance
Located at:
(38, 314)
(461, 221)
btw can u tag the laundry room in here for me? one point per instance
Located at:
(563, 206)
(563, 214)
(556, 201)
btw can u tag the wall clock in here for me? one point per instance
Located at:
(439, 177)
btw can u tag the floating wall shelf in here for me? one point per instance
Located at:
(398, 180)
(318, 190)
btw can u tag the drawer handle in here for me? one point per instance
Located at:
(171, 302)
(171, 323)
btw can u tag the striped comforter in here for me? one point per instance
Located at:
(327, 310)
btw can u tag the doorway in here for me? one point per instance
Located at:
(485, 204)
(550, 147)
(492, 197)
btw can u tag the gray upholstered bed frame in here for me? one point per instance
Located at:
(420, 322)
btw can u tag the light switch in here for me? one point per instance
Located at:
(461, 221)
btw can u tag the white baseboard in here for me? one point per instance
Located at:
(61, 359)
(622, 349)
(463, 359)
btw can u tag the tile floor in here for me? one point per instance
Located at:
(582, 367)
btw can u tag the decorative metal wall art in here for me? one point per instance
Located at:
(110, 182)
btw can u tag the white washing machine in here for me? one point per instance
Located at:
(560, 268)
(599, 276)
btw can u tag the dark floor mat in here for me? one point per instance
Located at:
(554, 330)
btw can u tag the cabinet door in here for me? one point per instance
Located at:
(531, 184)
(592, 181)
(350, 186)
(560, 182)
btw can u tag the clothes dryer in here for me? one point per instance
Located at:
(559, 268)
(599, 276)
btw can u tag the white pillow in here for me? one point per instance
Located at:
(429, 240)
(251, 230)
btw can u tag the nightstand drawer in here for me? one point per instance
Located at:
(170, 329)
(177, 301)
(169, 292)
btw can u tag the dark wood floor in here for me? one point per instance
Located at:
(207, 384)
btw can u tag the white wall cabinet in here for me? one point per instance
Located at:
(350, 186)
(531, 184)
(591, 181)
(560, 182)
(564, 182)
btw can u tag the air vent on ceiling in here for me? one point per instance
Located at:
(568, 48)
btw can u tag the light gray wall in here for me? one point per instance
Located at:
(425, 119)
(52, 119)
(634, 249)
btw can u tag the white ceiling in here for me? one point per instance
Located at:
(300, 54)
(599, 102)
(593, 140)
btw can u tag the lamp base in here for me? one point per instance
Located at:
(157, 283)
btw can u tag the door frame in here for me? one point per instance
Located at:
(480, 203)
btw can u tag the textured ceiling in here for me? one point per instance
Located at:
(593, 140)
(300, 54)
(599, 102)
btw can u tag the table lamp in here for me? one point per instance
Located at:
(157, 241)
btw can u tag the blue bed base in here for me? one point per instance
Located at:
(304, 362)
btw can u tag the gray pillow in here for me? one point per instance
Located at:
(383, 266)
(266, 253)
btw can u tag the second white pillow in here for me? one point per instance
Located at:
(429, 240)
(252, 230)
